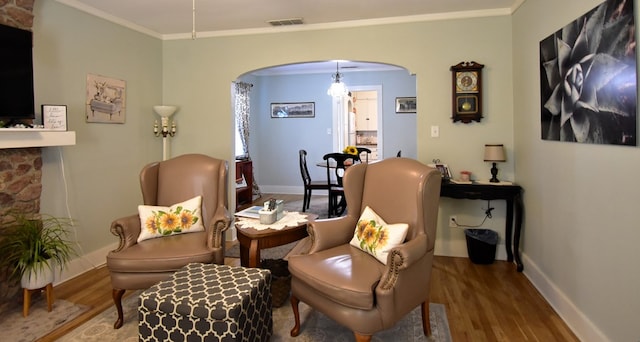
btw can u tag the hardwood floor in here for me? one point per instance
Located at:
(483, 302)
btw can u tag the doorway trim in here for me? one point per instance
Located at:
(341, 119)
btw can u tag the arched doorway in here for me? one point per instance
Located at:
(276, 141)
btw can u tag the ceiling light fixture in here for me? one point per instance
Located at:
(337, 88)
(193, 21)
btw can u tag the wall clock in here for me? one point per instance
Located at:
(467, 91)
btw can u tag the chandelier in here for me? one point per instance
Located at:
(337, 88)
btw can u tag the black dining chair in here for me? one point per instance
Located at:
(363, 152)
(336, 165)
(309, 185)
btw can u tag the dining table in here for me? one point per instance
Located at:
(341, 206)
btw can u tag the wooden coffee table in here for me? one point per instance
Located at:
(253, 240)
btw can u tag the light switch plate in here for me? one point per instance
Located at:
(435, 131)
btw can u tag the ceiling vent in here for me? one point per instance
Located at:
(286, 22)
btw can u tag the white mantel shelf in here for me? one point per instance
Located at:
(34, 137)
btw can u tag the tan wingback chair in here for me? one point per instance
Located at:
(136, 265)
(350, 286)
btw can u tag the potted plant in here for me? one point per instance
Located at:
(33, 246)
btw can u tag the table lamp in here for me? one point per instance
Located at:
(494, 153)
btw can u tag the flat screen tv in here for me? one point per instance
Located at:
(16, 74)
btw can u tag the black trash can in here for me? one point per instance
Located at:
(481, 245)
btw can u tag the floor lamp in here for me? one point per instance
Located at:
(165, 112)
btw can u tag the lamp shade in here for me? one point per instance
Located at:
(494, 153)
(165, 111)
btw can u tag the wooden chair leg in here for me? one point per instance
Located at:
(362, 338)
(117, 300)
(426, 324)
(296, 316)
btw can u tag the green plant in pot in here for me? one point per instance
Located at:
(33, 246)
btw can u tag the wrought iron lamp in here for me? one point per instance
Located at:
(494, 153)
(337, 88)
(165, 130)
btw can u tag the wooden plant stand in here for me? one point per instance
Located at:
(27, 298)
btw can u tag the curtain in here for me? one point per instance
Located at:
(242, 107)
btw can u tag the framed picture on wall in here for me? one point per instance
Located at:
(406, 105)
(293, 110)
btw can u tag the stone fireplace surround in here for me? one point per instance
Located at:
(20, 168)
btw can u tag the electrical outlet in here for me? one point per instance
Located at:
(452, 221)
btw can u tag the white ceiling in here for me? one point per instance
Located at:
(173, 19)
(170, 18)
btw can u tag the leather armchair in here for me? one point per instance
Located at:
(136, 265)
(352, 287)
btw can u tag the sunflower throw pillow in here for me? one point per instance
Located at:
(376, 237)
(157, 221)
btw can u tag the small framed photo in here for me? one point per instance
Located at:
(293, 110)
(444, 169)
(54, 117)
(406, 104)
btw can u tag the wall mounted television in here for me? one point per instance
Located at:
(16, 74)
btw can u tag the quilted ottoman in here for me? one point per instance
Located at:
(208, 302)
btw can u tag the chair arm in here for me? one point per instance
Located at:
(329, 233)
(401, 258)
(220, 222)
(127, 229)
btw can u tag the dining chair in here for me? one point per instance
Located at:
(309, 185)
(336, 166)
(363, 152)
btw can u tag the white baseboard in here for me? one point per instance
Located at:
(577, 321)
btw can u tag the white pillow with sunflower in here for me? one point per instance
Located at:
(180, 218)
(376, 237)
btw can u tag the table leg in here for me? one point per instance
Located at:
(254, 254)
(516, 237)
(244, 255)
(509, 229)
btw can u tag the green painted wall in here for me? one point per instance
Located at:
(96, 180)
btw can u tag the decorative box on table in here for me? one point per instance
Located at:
(208, 302)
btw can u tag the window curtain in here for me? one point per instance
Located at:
(243, 113)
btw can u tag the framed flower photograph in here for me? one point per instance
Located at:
(588, 79)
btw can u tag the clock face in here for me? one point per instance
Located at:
(467, 81)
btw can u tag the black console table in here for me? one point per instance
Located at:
(511, 193)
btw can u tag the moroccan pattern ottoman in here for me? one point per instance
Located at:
(208, 302)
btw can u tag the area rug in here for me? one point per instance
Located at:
(315, 326)
(318, 205)
(268, 253)
(16, 328)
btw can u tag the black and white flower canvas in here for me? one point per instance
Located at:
(588, 78)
